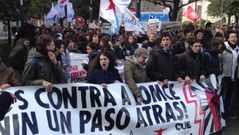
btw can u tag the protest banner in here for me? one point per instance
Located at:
(105, 27)
(132, 23)
(154, 26)
(170, 27)
(89, 109)
(161, 16)
(78, 73)
(191, 14)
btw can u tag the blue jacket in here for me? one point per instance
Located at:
(99, 76)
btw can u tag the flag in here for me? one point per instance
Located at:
(132, 23)
(62, 2)
(107, 10)
(51, 16)
(70, 12)
(166, 9)
(122, 4)
(191, 14)
(112, 11)
(61, 9)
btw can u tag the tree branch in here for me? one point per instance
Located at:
(189, 2)
(163, 3)
(170, 1)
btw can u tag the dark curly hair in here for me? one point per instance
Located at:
(110, 56)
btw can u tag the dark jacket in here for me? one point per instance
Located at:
(99, 76)
(189, 64)
(39, 68)
(7, 75)
(27, 30)
(211, 63)
(146, 44)
(18, 57)
(92, 61)
(180, 47)
(119, 53)
(160, 65)
(5, 102)
(129, 49)
(134, 73)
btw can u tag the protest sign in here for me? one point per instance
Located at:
(78, 73)
(105, 27)
(131, 22)
(170, 27)
(191, 14)
(88, 109)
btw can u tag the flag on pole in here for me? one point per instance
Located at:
(51, 16)
(191, 14)
(132, 23)
(107, 10)
(62, 2)
(112, 11)
(122, 4)
(70, 12)
(166, 9)
(61, 10)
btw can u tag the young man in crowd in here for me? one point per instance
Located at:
(160, 65)
(18, 57)
(230, 71)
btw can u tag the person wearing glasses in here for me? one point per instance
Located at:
(135, 71)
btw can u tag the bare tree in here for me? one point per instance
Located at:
(173, 5)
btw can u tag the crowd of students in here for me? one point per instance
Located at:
(43, 58)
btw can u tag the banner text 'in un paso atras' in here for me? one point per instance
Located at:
(82, 108)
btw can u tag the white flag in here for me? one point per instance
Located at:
(51, 16)
(107, 10)
(112, 11)
(61, 10)
(122, 4)
(62, 2)
(132, 23)
(70, 12)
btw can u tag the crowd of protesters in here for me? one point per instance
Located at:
(43, 58)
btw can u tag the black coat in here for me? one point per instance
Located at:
(211, 63)
(99, 76)
(180, 47)
(160, 65)
(27, 30)
(189, 64)
(5, 102)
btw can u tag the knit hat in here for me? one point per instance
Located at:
(141, 52)
(5, 102)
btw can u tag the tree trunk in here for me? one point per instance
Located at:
(9, 32)
(174, 15)
(237, 19)
(175, 10)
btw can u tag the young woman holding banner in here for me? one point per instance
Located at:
(104, 71)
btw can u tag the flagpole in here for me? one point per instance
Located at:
(99, 23)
